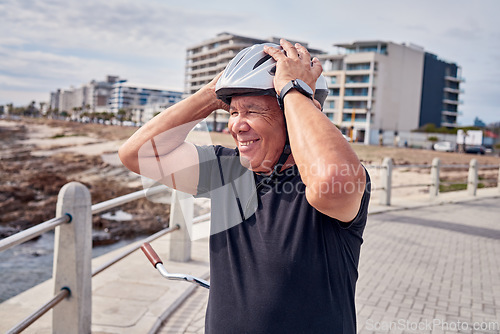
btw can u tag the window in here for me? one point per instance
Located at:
(357, 79)
(451, 96)
(372, 48)
(355, 104)
(333, 80)
(356, 92)
(347, 117)
(332, 105)
(450, 107)
(333, 65)
(357, 66)
(334, 91)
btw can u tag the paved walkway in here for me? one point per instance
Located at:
(429, 269)
(423, 265)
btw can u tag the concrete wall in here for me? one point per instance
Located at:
(398, 88)
(413, 139)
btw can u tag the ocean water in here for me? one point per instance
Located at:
(28, 264)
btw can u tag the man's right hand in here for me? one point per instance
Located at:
(210, 89)
(158, 150)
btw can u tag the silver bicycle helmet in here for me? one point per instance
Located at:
(251, 73)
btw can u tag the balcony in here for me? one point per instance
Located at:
(449, 125)
(226, 57)
(453, 90)
(455, 79)
(356, 98)
(234, 46)
(450, 113)
(456, 102)
(357, 80)
(357, 66)
(357, 92)
(358, 72)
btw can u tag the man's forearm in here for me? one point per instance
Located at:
(169, 129)
(318, 147)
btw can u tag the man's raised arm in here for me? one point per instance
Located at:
(158, 149)
(331, 171)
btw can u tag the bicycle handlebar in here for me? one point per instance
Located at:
(158, 264)
(151, 254)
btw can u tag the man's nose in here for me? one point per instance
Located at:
(240, 124)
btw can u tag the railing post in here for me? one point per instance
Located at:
(386, 181)
(72, 261)
(181, 213)
(472, 180)
(498, 181)
(434, 189)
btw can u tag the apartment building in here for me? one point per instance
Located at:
(440, 98)
(379, 87)
(206, 59)
(127, 95)
(92, 96)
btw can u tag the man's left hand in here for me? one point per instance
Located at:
(295, 64)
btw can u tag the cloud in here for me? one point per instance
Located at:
(416, 27)
(55, 43)
(471, 34)
(107, 26)
(49, 44)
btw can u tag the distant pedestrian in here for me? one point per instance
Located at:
(396, 139)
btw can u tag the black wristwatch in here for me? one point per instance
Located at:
(297, 84)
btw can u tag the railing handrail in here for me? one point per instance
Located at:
(40, 312)
(46, 226)
(117, 201)
(132, 249)
(65, 217)
(32, 232)
(51, 224)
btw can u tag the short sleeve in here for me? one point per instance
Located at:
(208, 165)
(360, 220)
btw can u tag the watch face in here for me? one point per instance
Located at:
(304, 87)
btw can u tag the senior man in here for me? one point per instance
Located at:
(289, 204)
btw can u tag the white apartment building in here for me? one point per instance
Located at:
(132, 96)
(379, 87)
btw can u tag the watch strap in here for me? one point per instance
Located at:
(287, 88)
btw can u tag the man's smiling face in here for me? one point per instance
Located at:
(258, 128)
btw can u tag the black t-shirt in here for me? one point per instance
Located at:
(277, 265)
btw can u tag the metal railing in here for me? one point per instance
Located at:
(472, 182)
(73, 251)
(73, 224)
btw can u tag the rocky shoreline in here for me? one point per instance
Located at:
(30, 182)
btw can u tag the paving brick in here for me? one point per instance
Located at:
(417, 265)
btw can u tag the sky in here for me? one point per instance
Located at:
(50, 44)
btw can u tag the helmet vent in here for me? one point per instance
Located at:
(261, 61)
(272, 71)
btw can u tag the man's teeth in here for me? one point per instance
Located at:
(246, 143)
